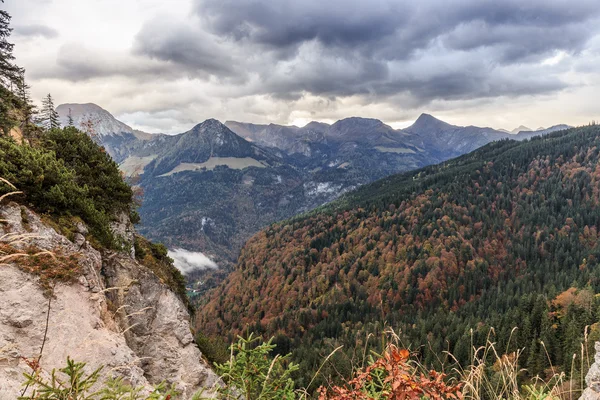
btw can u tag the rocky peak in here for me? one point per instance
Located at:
(356, 129)
(103, 122)
(521, 128)
(213, 132)
(356, 122)
(316, 126)
(208, 125)
(428, 123)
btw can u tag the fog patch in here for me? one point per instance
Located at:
(189, 261)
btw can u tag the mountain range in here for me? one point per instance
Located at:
(211, 188)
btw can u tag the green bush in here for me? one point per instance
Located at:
(73, 383)
(93, 168)
(67, 174)
(252, 373)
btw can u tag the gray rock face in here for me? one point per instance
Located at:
(118, 315)
(592, 379)
(124, 230)
(156, 326)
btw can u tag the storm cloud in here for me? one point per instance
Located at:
(187, 46)
(286, 60)
(427, 49)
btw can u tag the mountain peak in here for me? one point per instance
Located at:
(352, 124)
(359, 121)
(425, 118)
(209, 125)
(521, 128)
(316, 124)
(428, 122)
(81, 108)
(103, 122)
(213, 131)
(211, 122)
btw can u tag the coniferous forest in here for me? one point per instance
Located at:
(499, 245)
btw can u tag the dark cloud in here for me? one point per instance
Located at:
(429, 50)
(519, 43)
(393, 29)
(186, 46)
(381, 49)
(288, 22)
(35, 30)
(421, 80)
(268, 57)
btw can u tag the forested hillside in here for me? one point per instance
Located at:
(504, 237)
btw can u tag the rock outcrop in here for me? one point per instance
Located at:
(592, 379)
(119, 314)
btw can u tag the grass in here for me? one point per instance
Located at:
(493, 374)
(49, 266)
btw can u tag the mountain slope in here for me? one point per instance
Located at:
(205, 141)
(484, 240)
(209, 190)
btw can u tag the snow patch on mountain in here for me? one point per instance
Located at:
(321, 188)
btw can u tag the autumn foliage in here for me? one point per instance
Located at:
(393, 377)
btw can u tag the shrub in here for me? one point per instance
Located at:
(253, 374)
(67, 174)
(72, 383)
(213, 348)
(392, 376)
(93, 168)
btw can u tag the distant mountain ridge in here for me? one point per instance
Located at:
(426, 133)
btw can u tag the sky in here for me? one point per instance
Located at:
(164, 66)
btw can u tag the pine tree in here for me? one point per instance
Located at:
(24, 95)
(9, 72)
(70, 118)
(48, 116)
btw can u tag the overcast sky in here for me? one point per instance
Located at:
(163, 66)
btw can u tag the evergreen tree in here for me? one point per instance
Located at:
(48, 116)
(24, 95)
(70, 118)
(9, 72)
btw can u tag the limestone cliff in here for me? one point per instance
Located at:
(592, 379)
(118, 314)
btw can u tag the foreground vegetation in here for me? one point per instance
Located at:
(252, 373)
